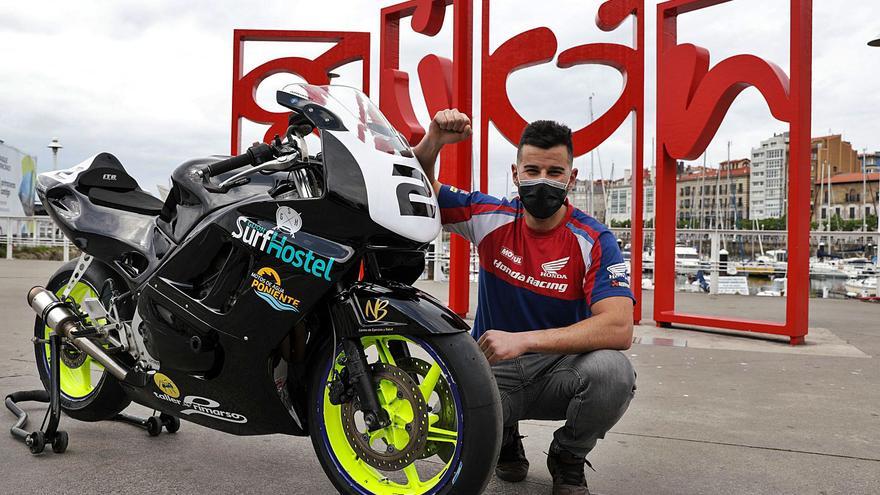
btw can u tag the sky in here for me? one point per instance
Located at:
(151, 81)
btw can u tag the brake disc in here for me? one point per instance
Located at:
(445, 408)
(389, 457)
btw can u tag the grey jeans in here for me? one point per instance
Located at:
(589, 391)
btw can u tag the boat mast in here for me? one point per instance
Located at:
(830, 198)
(605, 196)
(732, 190)
(702, 191)
(864, 189)
(715, 200)
(592, 166)
(820, 200)
(759, 228)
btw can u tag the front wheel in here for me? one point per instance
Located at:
(445, 413)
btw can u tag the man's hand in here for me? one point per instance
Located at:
(500, 346)
(449, 127)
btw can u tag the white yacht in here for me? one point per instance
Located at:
(861, 287)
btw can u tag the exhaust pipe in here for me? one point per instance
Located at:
(58, 316)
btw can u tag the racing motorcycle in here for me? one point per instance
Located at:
(271, 293)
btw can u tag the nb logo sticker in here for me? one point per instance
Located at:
(375, 310)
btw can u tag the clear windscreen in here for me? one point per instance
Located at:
(347, 108)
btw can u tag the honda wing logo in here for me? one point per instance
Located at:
(551, 269)
(619, 275)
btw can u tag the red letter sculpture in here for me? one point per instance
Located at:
(692, 101)
(445, 84)
(349, 48)
(538, 46)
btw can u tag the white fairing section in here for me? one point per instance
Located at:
(382, 186)
(66, 176)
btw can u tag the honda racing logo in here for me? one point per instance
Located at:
(551, 269)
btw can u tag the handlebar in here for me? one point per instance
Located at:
(255, 155)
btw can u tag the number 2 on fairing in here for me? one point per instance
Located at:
(405, 189)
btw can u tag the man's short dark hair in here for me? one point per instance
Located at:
(546, 134)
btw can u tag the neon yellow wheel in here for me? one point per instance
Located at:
(414, 454)
(88, 392)
(79, 373)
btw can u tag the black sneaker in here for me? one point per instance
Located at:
(512, 463)
(567, 470)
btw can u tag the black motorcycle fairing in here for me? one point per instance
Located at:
(243, 391)
(344, 176)
(396, 265)
(206, 322)
(189, 202)
(384, 309)
(216, 284)
(242, 401)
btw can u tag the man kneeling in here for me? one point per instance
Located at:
(555, 307)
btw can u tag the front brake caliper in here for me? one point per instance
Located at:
(340, 392)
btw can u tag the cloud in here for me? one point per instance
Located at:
(151, 83)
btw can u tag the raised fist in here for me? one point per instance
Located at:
(449, 127)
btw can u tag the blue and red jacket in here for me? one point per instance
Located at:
(533, 280)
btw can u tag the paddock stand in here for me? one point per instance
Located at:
(153, 424)
(49, 434)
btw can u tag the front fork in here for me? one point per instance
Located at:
(360, 379)
(356, 378)
(356, 381)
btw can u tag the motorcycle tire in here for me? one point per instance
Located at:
(457, 395)
(88, 392)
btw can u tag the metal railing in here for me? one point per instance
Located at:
(746, 244)
(36, 231)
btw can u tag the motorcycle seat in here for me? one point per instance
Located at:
(135, 201)
(106, 183)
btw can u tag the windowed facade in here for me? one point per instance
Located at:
(766, 195)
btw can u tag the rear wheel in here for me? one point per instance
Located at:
(441, 398)
(88, 392)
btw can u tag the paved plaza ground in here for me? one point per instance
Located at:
(713, 414)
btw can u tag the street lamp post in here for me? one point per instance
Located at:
(55, 145)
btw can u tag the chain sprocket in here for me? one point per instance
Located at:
(71, 356)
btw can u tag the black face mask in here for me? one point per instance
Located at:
(542, 197)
